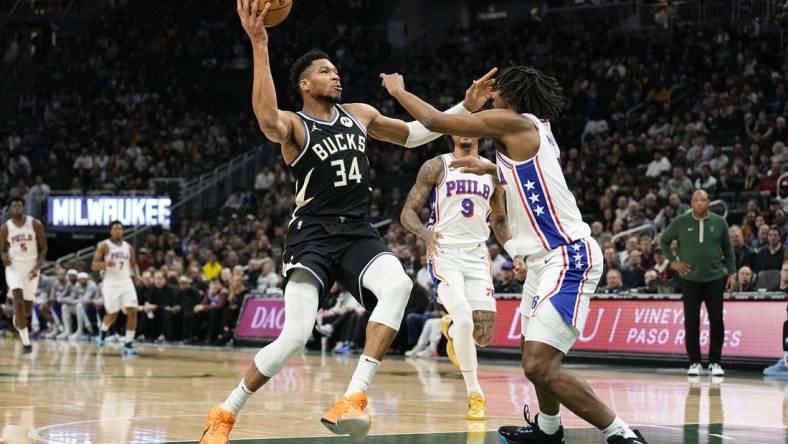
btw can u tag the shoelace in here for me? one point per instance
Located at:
(531, 424)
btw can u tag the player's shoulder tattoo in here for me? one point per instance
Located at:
(432, 170)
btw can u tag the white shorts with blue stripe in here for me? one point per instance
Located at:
(557, 293)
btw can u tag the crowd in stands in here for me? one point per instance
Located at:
(638, 136)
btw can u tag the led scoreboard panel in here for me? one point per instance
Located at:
(90, 212)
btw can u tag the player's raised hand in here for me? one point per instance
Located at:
(520, 270)
(480, 91)
(252, 16)
(473, 165)
(433, 245)
(392, 82)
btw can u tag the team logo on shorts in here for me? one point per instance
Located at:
(346, 121)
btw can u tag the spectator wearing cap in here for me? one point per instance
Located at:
(744, 279)
(507, 282)
(706, 265)
(744, 255)
(772, 255)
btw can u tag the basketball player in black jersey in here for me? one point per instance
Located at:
(329, 238)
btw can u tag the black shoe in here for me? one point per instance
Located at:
(27, 349)
(530, 434)
(618, 439)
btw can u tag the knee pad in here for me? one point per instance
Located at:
(392, 301)
(271, 358)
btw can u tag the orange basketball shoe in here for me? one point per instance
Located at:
(347, 416)
(217, 426)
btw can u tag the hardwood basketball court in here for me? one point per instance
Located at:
(75, 393)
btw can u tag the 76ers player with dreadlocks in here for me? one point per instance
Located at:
(564, 263)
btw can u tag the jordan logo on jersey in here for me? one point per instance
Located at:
(467, 186)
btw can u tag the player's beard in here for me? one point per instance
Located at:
(331, 99)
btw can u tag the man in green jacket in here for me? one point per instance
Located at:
(704, 259)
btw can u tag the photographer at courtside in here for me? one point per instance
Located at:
(706, 265)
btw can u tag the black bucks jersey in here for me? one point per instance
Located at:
(332, 170)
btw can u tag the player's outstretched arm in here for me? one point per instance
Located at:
(274, 123)
(494, 123)
(414, 134)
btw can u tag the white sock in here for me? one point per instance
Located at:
(549, 423)
(362, 377)
(24, 335)
(129, 337)
(618, 428)
(105, 327)
(237, 399)
(471, 382)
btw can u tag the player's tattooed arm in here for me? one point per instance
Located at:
(500, 225)
(41, 239)
(429, 176)
(4, 245)
(483, 327)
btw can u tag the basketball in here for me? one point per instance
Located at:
(279, 11)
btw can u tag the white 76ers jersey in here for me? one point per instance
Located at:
(541, 210)
(22, 242)
(121, 256)
(461, 206)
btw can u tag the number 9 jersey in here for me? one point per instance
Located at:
(460, 206)
(332, 171)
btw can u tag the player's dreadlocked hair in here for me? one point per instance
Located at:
(530, 90)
